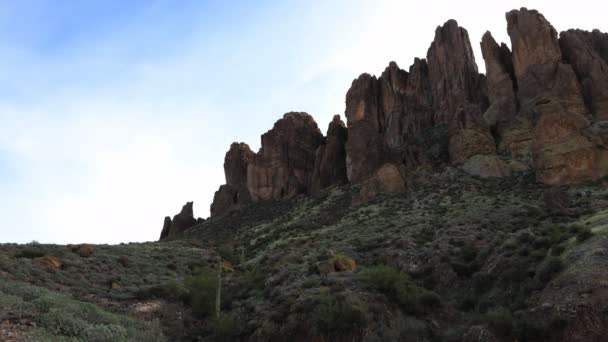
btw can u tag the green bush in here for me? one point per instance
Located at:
(557, 250)
(334, 316)
(202, 290)
(549, 268)
(583, 234)
(500, 320)
(398, 286)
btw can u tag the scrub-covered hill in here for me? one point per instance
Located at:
(455, 257)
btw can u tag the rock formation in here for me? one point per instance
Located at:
(551, 98)
(455, 82)
(284, 164)
(330, 158)
(541, 107)
(182, 221)
(234, 193)
(294, 159)
(587, 52)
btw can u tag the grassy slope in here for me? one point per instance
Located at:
(460, 252)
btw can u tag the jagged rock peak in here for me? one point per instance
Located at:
(182, 221)
(236, 161)
(454, 77)
(587, 52)
(330, 158)
(533, 39)
(284, 165)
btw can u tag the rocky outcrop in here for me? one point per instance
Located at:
(166, 227)
(182, 221)
(500, 82)
(365, 120)
(533, 39)
(469, 136)
(284, 164)
(542, 106)
(330, 158)
(455, 82)
(551, 98)
(234, 193)
(587, 52)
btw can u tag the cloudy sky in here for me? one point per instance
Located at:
(114, 113)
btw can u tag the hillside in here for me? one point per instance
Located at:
(455, 257)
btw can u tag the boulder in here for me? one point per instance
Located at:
(330, 158)
(284, 164)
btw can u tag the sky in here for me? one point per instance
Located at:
(115, 113)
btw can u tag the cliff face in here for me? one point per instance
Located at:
(541, 107)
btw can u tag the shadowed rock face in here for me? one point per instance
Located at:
(234, 193)
(455, 81)
(541, 107)
(330, 158)
(500, 82)
(551, 99)
(587, 52)
(284, 164)
(166, 227)
(182, 221)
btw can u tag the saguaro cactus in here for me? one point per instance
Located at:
(219, 288)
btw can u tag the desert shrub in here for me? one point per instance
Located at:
(171, 291)
(583, 234)
(335, 316)
(30, 253)
(464, 269)
(500, 320)
(226, 328)
(344, 263)
(526, 330)
(398, 286)
(549, 268)
(202, 290)
(124, 260)
(311, 282)
(557, 250)
(468, 252)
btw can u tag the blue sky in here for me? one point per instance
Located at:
(115, 113)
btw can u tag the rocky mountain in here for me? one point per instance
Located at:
(541, 108)
(450, 206)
